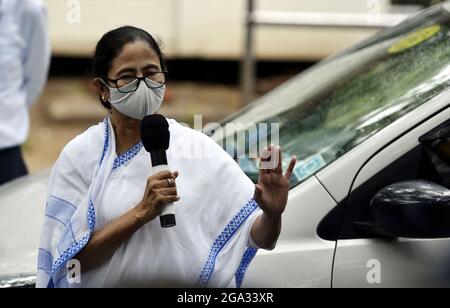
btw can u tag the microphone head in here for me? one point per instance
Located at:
(155, 133)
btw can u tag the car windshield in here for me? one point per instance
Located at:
(330, 109)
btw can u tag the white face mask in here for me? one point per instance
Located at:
(140, 103)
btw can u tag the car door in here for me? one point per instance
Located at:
(367, 258)
(301, 258)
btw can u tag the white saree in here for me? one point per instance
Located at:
(90, 186)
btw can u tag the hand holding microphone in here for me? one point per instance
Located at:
(161, 191)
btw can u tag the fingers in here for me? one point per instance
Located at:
(172, 191)
(271, 160)
(267, 163)
(266, 153)
(291, 167)
(265, 157)
(160, 180)
(157, 184)
(163, 181)
(163, 175)
(164, 196)
(258, 192)
(278, 153)
(164, 200)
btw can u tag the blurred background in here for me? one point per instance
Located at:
(205, 42)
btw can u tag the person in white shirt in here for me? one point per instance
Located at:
(24, 63)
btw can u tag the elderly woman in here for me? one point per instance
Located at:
(104, 200)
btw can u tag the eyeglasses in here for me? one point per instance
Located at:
(130, 84)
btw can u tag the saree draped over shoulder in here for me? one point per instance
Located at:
(90, 186)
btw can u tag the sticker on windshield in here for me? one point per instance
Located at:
(414, 39)
(309, 166)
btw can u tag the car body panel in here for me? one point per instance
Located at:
(399, 262)
(22, 207)
(301, 258)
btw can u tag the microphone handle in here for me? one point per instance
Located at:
(167, 215)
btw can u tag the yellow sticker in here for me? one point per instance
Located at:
(414, 39)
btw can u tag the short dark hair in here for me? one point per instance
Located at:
(112, 44)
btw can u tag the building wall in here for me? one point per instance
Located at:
(210, 29)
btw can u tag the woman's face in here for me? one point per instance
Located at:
(137, 59)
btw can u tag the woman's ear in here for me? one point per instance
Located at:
(101, 89)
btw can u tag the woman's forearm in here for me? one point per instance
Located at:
(266, 230)
(107, 240)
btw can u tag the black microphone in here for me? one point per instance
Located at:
(155, 137)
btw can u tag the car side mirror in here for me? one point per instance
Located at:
(413, 209)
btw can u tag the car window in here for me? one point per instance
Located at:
(437, 150)
(327, 111)
(428, 161)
